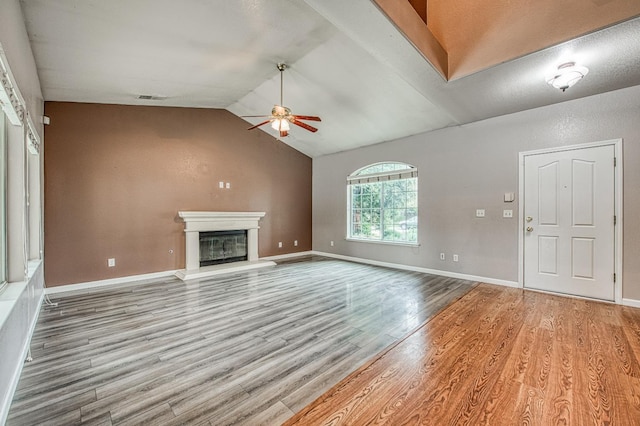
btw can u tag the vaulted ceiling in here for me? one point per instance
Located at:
(356, 63)
(477, 35)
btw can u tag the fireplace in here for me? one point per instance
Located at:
(234, 246)
(218, 247)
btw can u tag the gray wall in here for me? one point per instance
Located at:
(468, 167)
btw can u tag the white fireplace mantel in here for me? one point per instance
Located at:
(199, 221)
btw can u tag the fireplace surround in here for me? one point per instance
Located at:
(196, 222)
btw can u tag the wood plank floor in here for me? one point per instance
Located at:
(249, 348)
(499, 356)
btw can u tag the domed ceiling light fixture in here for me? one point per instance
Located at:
(566, 75)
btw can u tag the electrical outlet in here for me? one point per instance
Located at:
(507, 213)
(480, 213)
(295, 243)
(455, 257)
(228, 185)
(441, 256)
(280, 244)
(111, 262)
(331, 243)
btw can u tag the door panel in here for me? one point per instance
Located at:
(548, 252)
(582, 258)
(548, 201)
(569, 228)
(583, 197)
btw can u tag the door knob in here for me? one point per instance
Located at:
(529, 218)
(529, 228)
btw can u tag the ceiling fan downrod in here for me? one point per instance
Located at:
(281, 68)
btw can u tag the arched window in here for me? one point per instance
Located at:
(383, 203)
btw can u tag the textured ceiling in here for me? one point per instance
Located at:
(348, 62)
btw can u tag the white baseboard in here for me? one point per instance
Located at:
(631, 302)
(87, 287)
(288, 255)
(449, 274)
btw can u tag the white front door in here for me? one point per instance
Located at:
(569, 222)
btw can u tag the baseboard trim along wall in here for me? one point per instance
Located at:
(288, 255)
(87, 287)
(420, 269)
(631, 302)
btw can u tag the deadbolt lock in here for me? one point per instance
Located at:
(529, 218)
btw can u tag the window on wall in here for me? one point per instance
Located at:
(383, 203)
(3, 202)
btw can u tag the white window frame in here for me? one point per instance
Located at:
(13, 110)
(357, 178)
(4, 258)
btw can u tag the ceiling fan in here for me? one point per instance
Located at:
(281, 116)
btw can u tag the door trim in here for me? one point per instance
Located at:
(618, 182)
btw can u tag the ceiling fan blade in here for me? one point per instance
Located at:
(304, 125)
(307, 117)
(258, 125)
(283, 133)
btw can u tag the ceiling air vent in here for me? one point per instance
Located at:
(152, 97)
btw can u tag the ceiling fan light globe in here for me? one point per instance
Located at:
(280, 125)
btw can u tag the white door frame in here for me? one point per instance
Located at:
(617, 144)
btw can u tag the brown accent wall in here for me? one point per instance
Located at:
(116, 177)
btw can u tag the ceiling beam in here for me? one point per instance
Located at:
(412, 25)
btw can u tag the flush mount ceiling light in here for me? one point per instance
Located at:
(566, 75)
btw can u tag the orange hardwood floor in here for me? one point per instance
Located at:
(499, 356)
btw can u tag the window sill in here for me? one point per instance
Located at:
(389, 243)
(32, 266)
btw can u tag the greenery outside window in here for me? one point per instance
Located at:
(383, 203)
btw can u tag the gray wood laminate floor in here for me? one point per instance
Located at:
(248, 348)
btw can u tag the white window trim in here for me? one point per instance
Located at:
(390, 243)
(11, 100)
(356, 179)
(3, 150)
